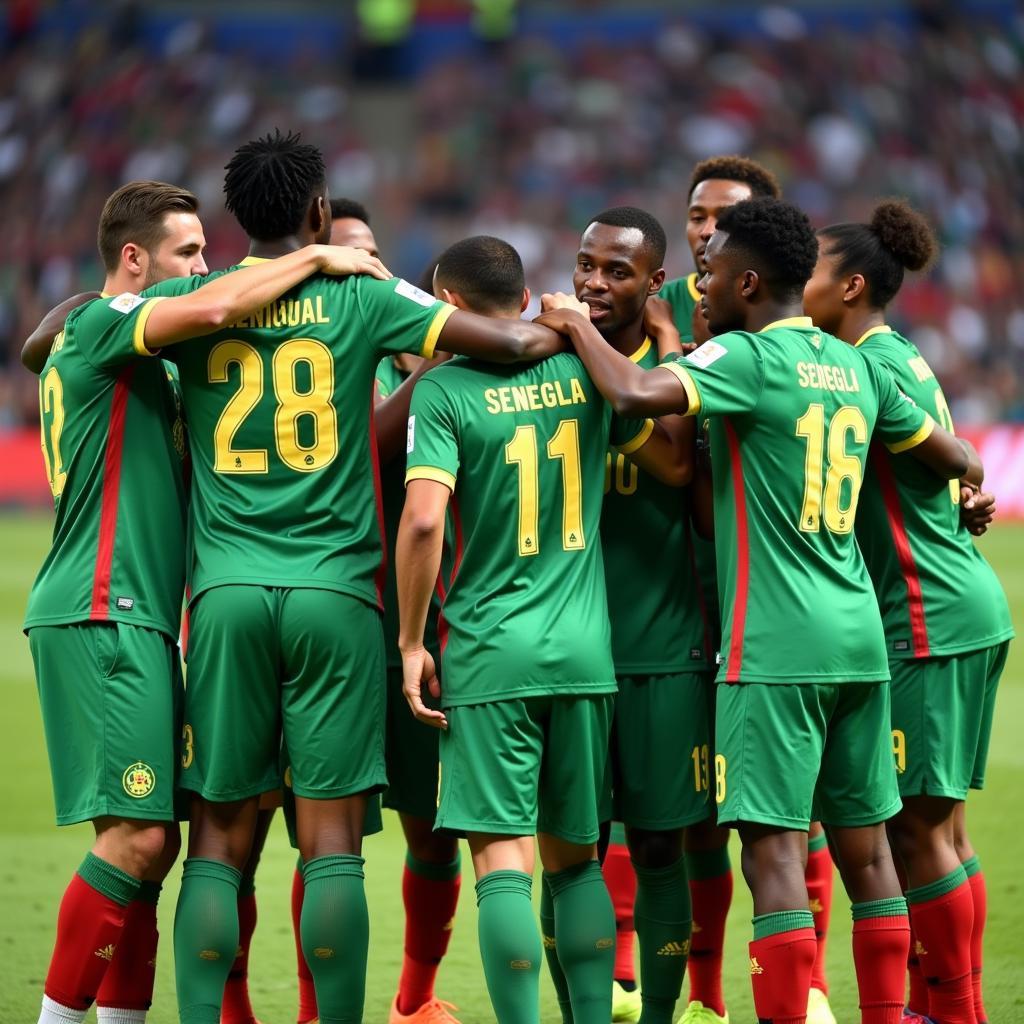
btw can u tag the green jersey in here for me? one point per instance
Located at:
(284, 458)
(392, 487)
(792, 411)
(683, 296)
(937, 593)
(654, 600)
(523, 450)
(113, 445)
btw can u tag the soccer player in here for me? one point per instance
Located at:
(660, 641)
(286, 637)
(716, 184)
(947, 624)
(802, 703)
(104, 612)
(526, 703)
(432, 875)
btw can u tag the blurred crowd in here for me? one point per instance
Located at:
(529, 139)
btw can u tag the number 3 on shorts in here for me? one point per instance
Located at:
(720, 766)
(188, 750)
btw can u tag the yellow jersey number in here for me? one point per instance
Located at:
(51, 404)
(826, 486)
(312, 406)
(564, 445)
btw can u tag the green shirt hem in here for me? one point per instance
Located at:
(944, 650)
(85, 618)
(287, 583)
(518, 692)
(881, 676)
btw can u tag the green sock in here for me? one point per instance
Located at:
(547, 927)
(585, 926)
(509, 946)
(205, 937)
(663, 918)
(335, 931)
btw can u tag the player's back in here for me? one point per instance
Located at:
(793, 444)
(113, 445)
(280, 419)
(937, 594)
(524, 447)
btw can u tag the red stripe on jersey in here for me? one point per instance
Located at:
(908, 566)
(701, 599)
(382, 570)
(111, 496)
(734, 660)
(442, 624)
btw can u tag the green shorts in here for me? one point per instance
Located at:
(111, 698)
(659, 751)
(411, 751)
(518, 767)
(788, 754)
(942, 712)
(271, 664)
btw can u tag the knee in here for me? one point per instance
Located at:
(648, 849)
(433, 847)
(150, 848)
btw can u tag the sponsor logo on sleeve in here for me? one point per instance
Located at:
(410, 291)
(708, 353)
(126, 302)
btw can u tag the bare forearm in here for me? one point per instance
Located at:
(391, 415)
(417, 563)
(229, 298)
(498, 340)
(36, 349)
(975, 475)
(630, 391)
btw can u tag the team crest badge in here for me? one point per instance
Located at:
(138, 780)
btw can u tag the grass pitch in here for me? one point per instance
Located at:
(37, 858)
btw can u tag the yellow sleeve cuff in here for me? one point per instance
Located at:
(639, 441)
(139, 336)
(915, 439)
(439, 476)
(434, 331)
(689, 386)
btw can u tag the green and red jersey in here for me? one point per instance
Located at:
(683, 296)
(792, 411)
(522, 449)
(113, 445)
(655, 603)
(284, 457)
(937, 594)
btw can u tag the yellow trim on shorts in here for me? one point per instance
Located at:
(439, 476)
(915, 439)
(434, 331)
(139, 335)
(689, 385)
(639, 440)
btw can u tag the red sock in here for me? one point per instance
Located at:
(942, 940)
(819, 877)
(780, 974)
(430, 894)
(980, 898)
(307, 991)
(89, 927)
(128, 983)
(620, 878)
(711, 898)
(236, 1008)
(880, 946)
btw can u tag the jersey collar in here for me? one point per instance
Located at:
(789, 321)
(251, 261)
(880, 329)
(691, 287)
(641, 351)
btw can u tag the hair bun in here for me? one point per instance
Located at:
(905, 233)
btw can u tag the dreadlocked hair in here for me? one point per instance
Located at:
(270, 182)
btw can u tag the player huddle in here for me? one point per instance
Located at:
(623, 584)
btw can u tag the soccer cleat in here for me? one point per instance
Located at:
(697, 1013)
(818, 1010)
(436, 1011)
(909, 1017)
(626, 1006)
